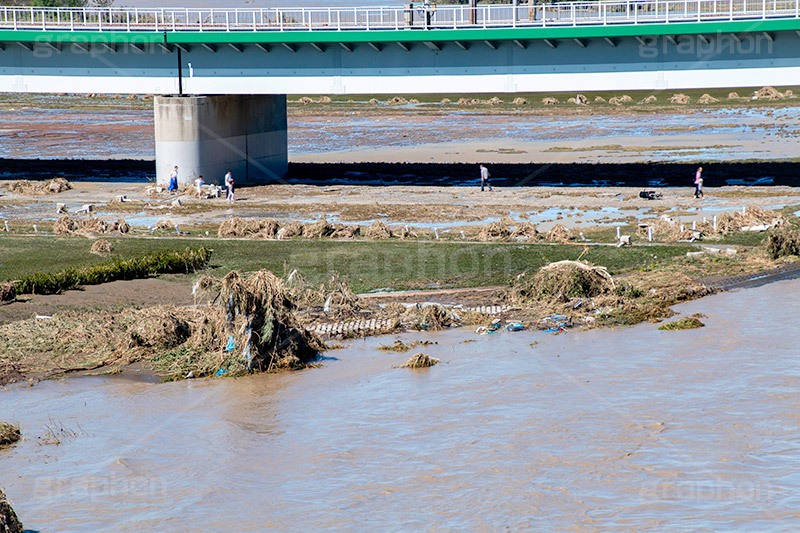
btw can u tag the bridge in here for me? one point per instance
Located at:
(244, 61)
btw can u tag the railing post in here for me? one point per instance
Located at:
(730, 9)
(227, 20)
(698, 10)
(763, 9)
(572, 14)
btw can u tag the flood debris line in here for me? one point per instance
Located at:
(66, 225)
(169, 262)
(752, 219)
(690, 322)
(101, 247)
(39, 188)
(9, 434)
(9, 522)
(249, 324)
(420, 360)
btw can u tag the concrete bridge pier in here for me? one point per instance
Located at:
(206, 135)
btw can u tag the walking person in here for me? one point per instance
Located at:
(173, 180)
(229, 185)
(485, 178)
(698, 183)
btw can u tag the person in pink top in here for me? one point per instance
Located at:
(698, 183)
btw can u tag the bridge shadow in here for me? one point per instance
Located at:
(551, 174)
(443, 174)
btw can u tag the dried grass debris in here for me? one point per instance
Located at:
(101, 247)
(346, 232)
(420, 360)
(783, 243)
(707, 99)
(264, 228)
(379, 230)
(560, 282)
(40, 188)
(9, 433)
(318, 230)
(679, 98)
(494, 231)
(549, 100)
(9, 522)
(559, 233)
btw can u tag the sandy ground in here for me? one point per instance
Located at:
(441, 207)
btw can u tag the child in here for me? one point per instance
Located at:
(199, 183)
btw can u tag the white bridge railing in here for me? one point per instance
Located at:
(393, 18)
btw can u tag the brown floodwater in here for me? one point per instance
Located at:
(624, 429)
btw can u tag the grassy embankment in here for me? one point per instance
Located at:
(365, 264)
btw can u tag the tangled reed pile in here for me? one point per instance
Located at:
(9, 434)
(39, 188)
(258, 314)
(560, 282)
(69, 226)
(9, 523)
(783, 243)
(101, 247)
(379, 230)
(265, 228)
(420, 360)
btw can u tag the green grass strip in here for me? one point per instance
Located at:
(165, 262)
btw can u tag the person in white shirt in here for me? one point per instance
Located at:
(229, 185)
(199, 184)
(485, 178)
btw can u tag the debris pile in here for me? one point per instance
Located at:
(707, 99)
(549, 100)
(9, 523)
(579, 100)
(649, 100)
(66, 225)
(783, 243)
(9, 434)
(691, 322)
(397, 100)
(256, 316)
(494, 231)
(39, 188)
(318, 230)
(379, 230)
(101, 247)
(679, 98)
(519, 101)
(559, 233)
(264, 228)
(561, 281)
(768, 93)
(420, 360)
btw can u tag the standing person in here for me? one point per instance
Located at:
(698, 183)
(173, 180)
(485, 178)
(229, 185)
(199, 184)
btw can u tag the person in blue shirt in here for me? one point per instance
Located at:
(173, 180)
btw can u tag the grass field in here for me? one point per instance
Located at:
(365, 264)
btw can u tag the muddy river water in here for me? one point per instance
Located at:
(623, 429)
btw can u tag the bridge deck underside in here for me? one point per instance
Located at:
(468, 66)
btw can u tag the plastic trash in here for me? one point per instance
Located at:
(221, 372)
(231, 343)
(190, 375)
(515, 326)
